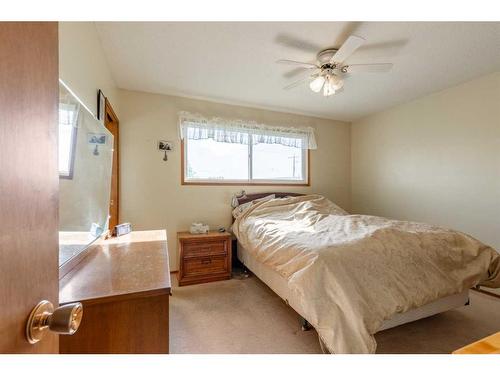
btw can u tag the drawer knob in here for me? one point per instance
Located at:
(206, 261)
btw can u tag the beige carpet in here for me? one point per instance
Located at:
(245, 316)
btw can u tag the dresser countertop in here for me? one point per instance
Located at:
(120, 267)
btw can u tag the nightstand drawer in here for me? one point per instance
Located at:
(205, 248)
(206, 265)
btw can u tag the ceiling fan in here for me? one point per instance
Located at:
(329, 72)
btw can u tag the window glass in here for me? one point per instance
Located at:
(66, 140)
(210, 160)
(277, 162)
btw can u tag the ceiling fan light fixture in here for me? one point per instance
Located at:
(328, 89)
(317, 84)
(336, 82)
(332, 84)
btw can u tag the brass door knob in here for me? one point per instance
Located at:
(64, 320)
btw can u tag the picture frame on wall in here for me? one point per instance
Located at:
(101, 103)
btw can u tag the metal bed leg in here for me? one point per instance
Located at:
(304, 324)
(245, 272)
(241, 273)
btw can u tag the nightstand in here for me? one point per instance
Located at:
(204, 257)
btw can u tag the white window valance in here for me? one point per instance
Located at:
(195, 126)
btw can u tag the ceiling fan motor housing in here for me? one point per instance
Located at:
(325, 56)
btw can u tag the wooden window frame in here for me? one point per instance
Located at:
(244, 182)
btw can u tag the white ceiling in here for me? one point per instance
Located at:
(235, 62)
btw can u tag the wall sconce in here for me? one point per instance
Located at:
(96, 139)
(234, 200)
(165, 146)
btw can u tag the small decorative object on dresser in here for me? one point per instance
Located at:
(204, 257)
(122, 229)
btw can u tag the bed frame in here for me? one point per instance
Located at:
(280, 286)
(245, 198)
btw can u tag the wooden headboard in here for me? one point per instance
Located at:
(250, 197)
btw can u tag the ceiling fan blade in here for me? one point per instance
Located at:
(294, 42)
(347, 49)
(368, 68)
(296, 83)
(295, 72)
(300, 81)
(298, 63)
(301, 73)
(382, 49)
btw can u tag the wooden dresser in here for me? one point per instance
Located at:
(488, 345)
(204, 257)
(124, 286)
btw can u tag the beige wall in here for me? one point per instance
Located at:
(151, 192)
(436, 159)
(82, 65)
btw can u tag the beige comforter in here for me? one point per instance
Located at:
(352, 272)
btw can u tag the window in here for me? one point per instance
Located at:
(216, 151)
(67, 139)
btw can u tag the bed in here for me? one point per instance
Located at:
(301, 296)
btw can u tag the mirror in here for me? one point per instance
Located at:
(85, 166)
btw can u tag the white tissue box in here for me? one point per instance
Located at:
(198, 228)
